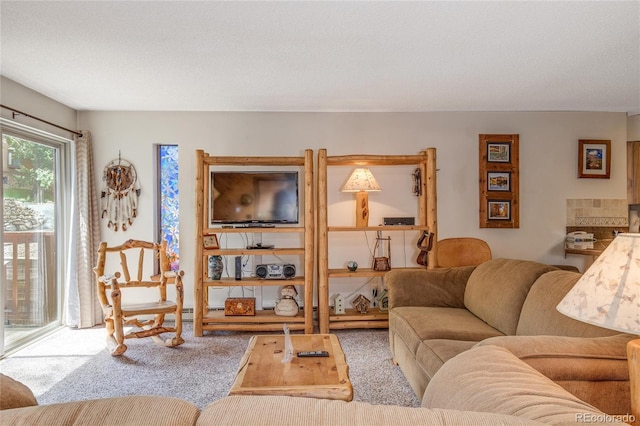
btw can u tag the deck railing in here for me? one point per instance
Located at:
(30, 280)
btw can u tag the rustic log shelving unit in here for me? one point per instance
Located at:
(426, 220)
(264, 320)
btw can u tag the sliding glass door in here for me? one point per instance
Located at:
(32, 234)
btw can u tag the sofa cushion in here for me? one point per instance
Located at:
(294, 411)
(497, 289)
(541, 302)
(492, 379)
(413, 324)
(128, 410)
(14, 394)
(427, 287)
(433, 353)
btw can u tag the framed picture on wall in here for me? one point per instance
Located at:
(499, 210)
(594, 158)
(498, 181)
(498, 152)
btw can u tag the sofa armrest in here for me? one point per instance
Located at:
(123, 410)
(564, 358)
(427, 287)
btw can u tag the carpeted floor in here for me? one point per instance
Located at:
(74, 365)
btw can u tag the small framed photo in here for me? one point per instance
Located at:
(499, 181)
(499, 210)
(498, 152)
(210, 242)
(594, 158)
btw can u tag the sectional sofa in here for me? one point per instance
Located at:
(435, 315)
(487, 385)
(479, 345)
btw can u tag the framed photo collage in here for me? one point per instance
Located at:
(499, 181)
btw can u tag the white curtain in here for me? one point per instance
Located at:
(82, 307)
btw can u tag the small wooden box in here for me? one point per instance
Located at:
(240, 306)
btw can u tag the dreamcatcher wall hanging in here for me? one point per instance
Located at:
(120, 193)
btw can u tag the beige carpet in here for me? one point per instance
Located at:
(73, 365)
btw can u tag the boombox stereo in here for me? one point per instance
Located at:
(276, 271)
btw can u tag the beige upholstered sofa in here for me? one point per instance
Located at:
(437, 314)
(481, 386)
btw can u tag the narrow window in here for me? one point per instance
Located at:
(168, 207)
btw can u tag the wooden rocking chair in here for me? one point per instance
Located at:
(110, 293)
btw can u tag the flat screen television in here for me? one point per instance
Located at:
(254, 197)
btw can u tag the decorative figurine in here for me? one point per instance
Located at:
(352, 265)
(287, 305)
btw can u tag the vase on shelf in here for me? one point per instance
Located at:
(215, 267)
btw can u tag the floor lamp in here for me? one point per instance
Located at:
(608, 295)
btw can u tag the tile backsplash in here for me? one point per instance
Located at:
(597, 212)
(602, 217)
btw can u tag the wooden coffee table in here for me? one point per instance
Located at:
(262, 371)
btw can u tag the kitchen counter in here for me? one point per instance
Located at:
(598, 248)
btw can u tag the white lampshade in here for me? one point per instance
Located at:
(608, 293)
(361, 179)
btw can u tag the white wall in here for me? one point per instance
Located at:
(23, 99)
(548, 164)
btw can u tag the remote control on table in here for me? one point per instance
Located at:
(306, 354)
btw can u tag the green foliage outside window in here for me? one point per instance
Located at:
(31, 172)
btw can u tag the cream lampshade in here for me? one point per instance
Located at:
(608, 295)
(361, 182)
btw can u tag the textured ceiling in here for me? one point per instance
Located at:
(326, 56)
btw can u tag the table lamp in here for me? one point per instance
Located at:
(361, 182)
(608, 295)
